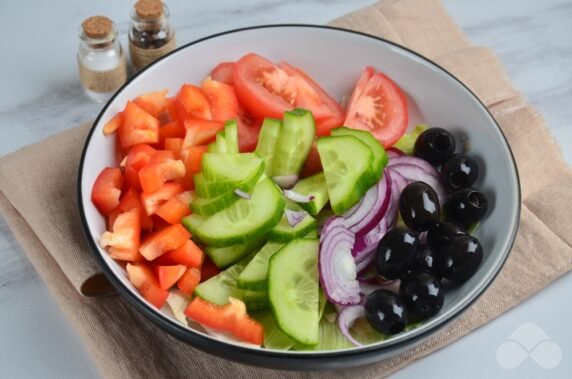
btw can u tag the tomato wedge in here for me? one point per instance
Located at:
(378, 105)
(192, 102)
(200, 132)
(159, 243)
(189, 281)
(187, 254)
(169, 275)
(223, 102)
(223, 73)
(125, 238)
(230, 318)
(137, 127)
(142, 277)
(176, 208)
(107, 190)
(153, 200)
(153, 102)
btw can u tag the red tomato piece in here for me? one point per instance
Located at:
(223, 102)
(378, 105)
(176, 208)
(158, 243)
(153, 102)
(112, 125)
(230, 318)
(169, 275)
(248, 131)
(313, 164)
(143, 278)
(223, 73)
(200, 132)
(124, 240)
(152, 201)
(132, 199)
(193, 164)
(192, 102)
(189, 281)
(208, 269)
(107, 189)
(175, 145)
(188, 254)
(137, 127)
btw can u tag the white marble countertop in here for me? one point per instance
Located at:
(40, 95)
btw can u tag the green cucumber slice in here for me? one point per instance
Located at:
(220, 143)
(255, 274)
(294, 291)
(313, 234)
(230, 168)
(407, 141)
(231, 136)
(314, 185)
(211, 148)
(380, 157)
(208, 188)
(192, 222)
(225, 256)
(273, 336)
(284, 232)
(346, 161)
(267, 138)
(245, 220)
(294, 142)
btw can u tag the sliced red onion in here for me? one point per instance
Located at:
(240, 193)
(297, 197)
(367, 244)
(294, 217)
(413, 173)
(346, 319)
(361, 218)
(285, 181)
(413, 161)
(336, 265)
(394, 152)
(364, 265)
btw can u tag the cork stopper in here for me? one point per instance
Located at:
(149, 9)
(97, 27)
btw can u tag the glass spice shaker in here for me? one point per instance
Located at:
(150, 35)
(100, 58)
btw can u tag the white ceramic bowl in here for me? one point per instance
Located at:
(335, 58)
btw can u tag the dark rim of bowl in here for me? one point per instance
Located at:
(217, 347)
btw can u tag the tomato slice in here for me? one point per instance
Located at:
(192, 102)
(193, 164)
(153, 102)
(208, 269)
(132, 199)
(169, 275)
(200, 132)
(223, 102)
(189, 281)
(223, 73)
(125, 238)
(159, 243)
(112, 125)
(188, 254)
(176, 208)
(154, 175)
(107, 189)
(326, 111)
(262, 87)
(142, 277)
(137, 127)
(248, 131)
(378, 105)
(153, 200)
(230, 318)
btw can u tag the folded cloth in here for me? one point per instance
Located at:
(38, 201)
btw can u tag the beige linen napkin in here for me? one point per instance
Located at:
(38, 200)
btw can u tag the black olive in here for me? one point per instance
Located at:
(440, 235)
(421, 294)
(466, 207)
(461, 258)
(419, 206)
(385, 312)
(426, 261)
(396, 253)
(460, 172)
(435, 145)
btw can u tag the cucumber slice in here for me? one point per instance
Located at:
(231, 136)
(230, 168)
(192, 222)
(347, 167)
(314, 185)
(284, 232)
(380, 157)
(294, 291)
(225, 256)
(211, 148)
(255, 274)
(273, 336)
(245, 220)
(220, 143)
(254, 300)
(294, 142)
(267, 141)
(208, 188)
(313, 234)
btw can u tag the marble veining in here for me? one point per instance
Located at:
(41, 95)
